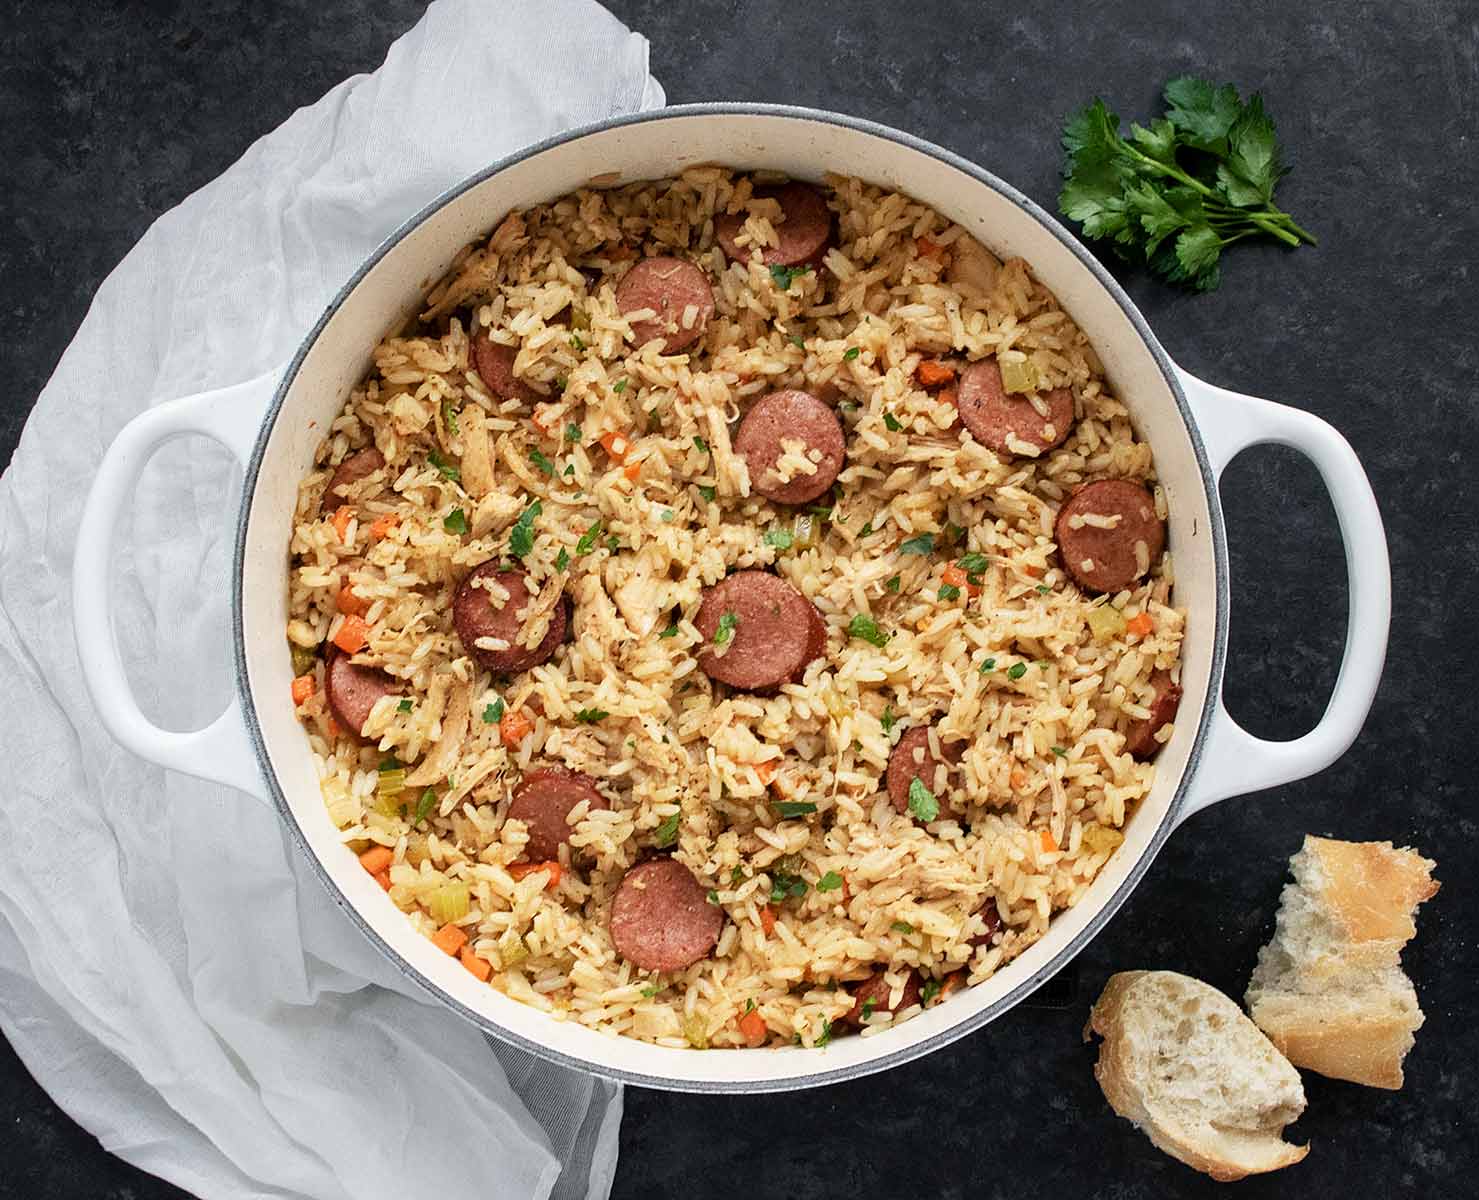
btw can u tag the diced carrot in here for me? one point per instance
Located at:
(752, 1028)
(383, 879)
(929, 249)
(955, 576)
(342, 516)
(1141, 624)
(377, 859)
(352, 604)
(480, 967)
(1046, 838)
(1032, 572)
(632, 471)
(514, 727)
(302, 688)
(449, 939)
(951, 981)
(767, 920)
(1019, 779)
(353, 635)
(383, 525)
(931, 372)
(520, 870)
(766, 770)
(846, 891)
(616, 444)
(331, 727)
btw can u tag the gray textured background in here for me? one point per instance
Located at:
(116, 110)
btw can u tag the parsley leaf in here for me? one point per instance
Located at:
(1016, 670)
(783, 277)
(1044, 588)
(619, 386)
(829, 882)
(404, 706)
(589, 716)
(670, 631)
(973, 564)
(728, 623)
(572, 432)
(948, 591)
(1173, 194)
(493, 713)
(455, 521)
(891, 423)
(865, 627)
(587, 541)
(783, 886)
(562, 559)
(891, 584)
(794, 808)
(521, 536)
(424, 806)
(441, 464)
(929, 991)
(449, 417)
(708, 493)
(902, 927)
(700, 445)
(923, 544)
(988, 665)
(1060, 752)
(851, 354)
(798, 341)
(542, 463)
(781, 539)
(868, 1006)
(666, 833)
(922, 802)
(888, 720)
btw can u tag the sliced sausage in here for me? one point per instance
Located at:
(997, 418)
(661, 918)
(543, 801)
(349, 472)
(495, 365)
(352, 691)
(816, 641)
(475, 617)
(802, 236)
(669, 287)
(990, 914)
(1109, 559)
(873, 994)
(770, 635)
(911, 759)
(1140, 737)
(797, 417)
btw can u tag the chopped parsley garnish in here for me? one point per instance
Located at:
(493, 713)
(562, 559)
(442, 465)
(587, 541)
(781, 539)
(826, 1034)
(700, 445)
(713, 897)
(575, 340)
(728, 623)
(521, 536)
(888, 720)
(569, 471)
(750, 1005)
(953, 533)
(851, 354)
(923, 544)
(1060, 751)
(736, 875)
(784, 276)
(973, 564)
(902, 927)
(988, 665)
(891, 584)
(794, 808)
(891, 423)
(948, 591)
(829, 882)
(866, 529)
(425, 805)
(783, 886)
(1044, 588)
(404, 706)
(929, 991)
(649, 991)
(449, 417)
(707, 492)
(868, 1006)
(667, 516)
(589, 716)
(572, 432)
(542, 463)
(619, 386)
(613, 543)
(865, 627)
(455, 521)
(1016, 670)
(670, 631)
(922, 802)
(798, 341)
(667, 833)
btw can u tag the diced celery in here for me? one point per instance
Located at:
(449, 902)
(390, 785)
(303, 659)
(1019, 376)
(695, 1029)
(511, 949)
(417, 849)
(1100, 839)
(806, 532)
(1106, 622)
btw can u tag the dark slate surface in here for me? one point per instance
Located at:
(116, 111)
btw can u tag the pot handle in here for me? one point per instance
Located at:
(1234, 761)
(223, 750)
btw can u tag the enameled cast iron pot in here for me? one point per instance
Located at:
(1193, 428)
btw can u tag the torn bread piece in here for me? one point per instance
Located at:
(1182, 1062)
(1329, 988)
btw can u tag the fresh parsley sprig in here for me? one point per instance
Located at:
(1172, 195)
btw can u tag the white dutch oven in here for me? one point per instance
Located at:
(1193, 427)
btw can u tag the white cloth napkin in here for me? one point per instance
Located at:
(169, 969)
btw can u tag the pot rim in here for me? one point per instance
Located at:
(1209, 700)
